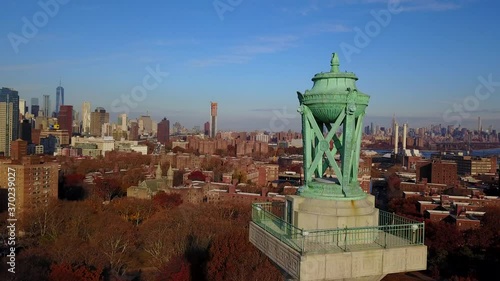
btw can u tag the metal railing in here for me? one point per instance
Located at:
(393, 231)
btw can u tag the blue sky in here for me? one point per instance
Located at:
(251, 56)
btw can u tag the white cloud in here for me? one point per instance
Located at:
(244, 53)
(407, 5)
(220, 60)
(328, 28)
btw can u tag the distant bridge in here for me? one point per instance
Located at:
(466, 145)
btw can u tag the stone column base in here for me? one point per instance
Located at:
(313, 214)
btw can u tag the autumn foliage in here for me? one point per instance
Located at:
(66, 272)
(167, 201)
(107, 188)
(134, 239)
(177, 269)
(233, 258)
(468, 255)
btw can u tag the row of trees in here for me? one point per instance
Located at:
(458, 255)
(159, 239)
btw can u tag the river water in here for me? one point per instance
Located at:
(428, 153)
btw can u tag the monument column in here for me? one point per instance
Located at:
(331, 229)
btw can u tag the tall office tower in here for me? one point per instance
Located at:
(396, 138)
(34, 101)
(405, 131)
(35, 108)
(59, 97)
(97, 119)
(107, 130)
(86, 117)
(163, 131)
(65, 118)
(26, 131)
(213, 119)
(6, 123)
(36, 181)
(46, 106)
(134, 131)
(393, 121)
(122, 122)
(140, 123)
(479, 125)
(76, 115)
(206, 128)
(145, 124)
(77, 122)
(154, 127)
(12, 96)
(22, 107)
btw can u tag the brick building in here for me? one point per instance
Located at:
(471, 165)
(62, 136)
(437, 172)
(65, 118)
(267, 173)
(163, 131)
(18, 149)
(36, 181)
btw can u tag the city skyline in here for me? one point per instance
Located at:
(251, 72)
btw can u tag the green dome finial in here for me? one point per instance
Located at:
(335, 63)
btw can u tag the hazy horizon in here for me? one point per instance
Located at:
(424, 61)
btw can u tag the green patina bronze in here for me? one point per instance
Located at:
(332, 103)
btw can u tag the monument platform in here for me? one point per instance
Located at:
(394, 245)
(331, 229)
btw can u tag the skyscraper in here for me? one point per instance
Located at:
(405, 133)
(7, 96)
(206, 128)
(97, 119)
(396, 138)
(122, 122)
(6, 118)
(163, 131)
(145, 124)
(65, 118)
(134, 131)
(59, 97)
(46, 106)
(35, 107)
(22, 107)
(213, 119)
(26, 131)
(86, 117)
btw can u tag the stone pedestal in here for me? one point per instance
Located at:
(313, 214)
